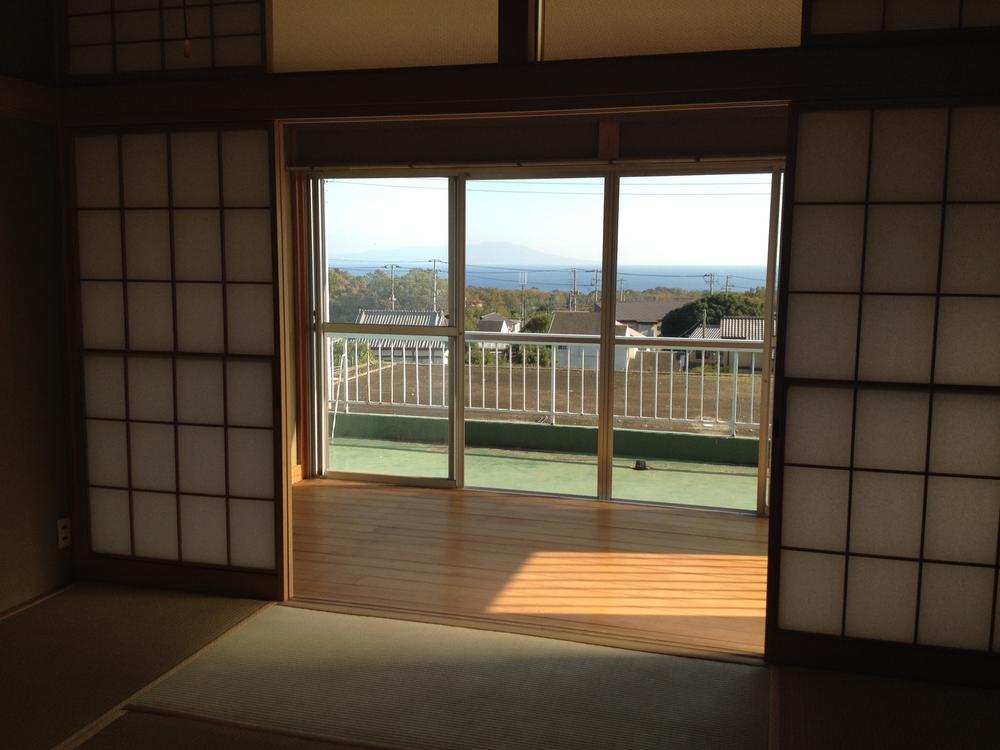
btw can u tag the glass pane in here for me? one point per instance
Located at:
(533, 260)
(387, 250)
(387, 404)
(692, 256)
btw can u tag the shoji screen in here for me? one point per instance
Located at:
(130, 36)
(888, 476)
(177, 323)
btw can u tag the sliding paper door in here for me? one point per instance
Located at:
(888, 461)
(175, 271)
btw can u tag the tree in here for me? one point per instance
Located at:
(711, 307)
(528, 354)
(538, 323)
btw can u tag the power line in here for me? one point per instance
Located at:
(555, 192)
(584, 184)
(544, 183)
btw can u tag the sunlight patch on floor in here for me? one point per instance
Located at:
(646, 584)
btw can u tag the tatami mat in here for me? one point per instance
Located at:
(140, 730)
(67, 660)
(414, 685)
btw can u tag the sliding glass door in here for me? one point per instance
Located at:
(692, 262)
(603, 334)
(532, 333)
(385, 337)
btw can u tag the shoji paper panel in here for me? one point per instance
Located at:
(104, 386)
(139, 37)
(889, 473)
(100, 244)
(155, 525)
(110, 531)
(251, 533)
(203, 527)
(176, 251)
(151, 388)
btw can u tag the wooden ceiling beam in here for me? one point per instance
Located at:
(925, 71)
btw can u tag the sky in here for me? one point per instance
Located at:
(685, 220)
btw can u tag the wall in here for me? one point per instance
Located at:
(319, 35)
(26, 40)
(529, 435)
(34, 467)
(606, 28)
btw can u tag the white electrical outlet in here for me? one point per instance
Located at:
(62, 530)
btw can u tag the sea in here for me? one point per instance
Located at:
(632, 278)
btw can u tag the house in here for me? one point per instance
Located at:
(741, 328)
(644, 316)
(729, 328)
(159, 193)
(585, 355)
(415, 349)
(497, 323)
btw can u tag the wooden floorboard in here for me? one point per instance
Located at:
(657, 579)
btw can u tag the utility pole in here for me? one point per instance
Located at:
(621, 290)
(392, 284)
(572, 298)
(597, 286)
(434, 262)
(728, 277)
(710, 278)
(523, 276)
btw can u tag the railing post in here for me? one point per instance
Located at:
(641, 365)
(347, 385)
(625, 378)
(736, 375)
(552, 387)
(538, 377)
(656, 380)
(510, 377)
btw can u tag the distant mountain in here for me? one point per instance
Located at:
(476, 254)
(415, 255)
(509, 253)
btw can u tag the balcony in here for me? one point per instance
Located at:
(687, 408)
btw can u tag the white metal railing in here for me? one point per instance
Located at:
(694, 384)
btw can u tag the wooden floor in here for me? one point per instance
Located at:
(654, 579)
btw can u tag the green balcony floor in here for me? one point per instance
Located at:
(682, 482)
